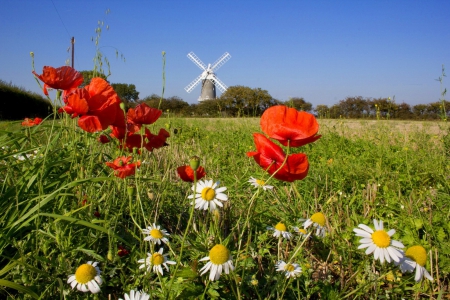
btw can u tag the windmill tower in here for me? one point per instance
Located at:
(208, 77)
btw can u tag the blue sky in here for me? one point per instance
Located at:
(323, 51)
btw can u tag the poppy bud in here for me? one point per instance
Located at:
(122, 106)
(130, 190)
(32, 54)
(110, 256)
(194, 162)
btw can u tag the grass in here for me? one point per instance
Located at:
(63, 207)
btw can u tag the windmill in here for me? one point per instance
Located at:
(208, 77)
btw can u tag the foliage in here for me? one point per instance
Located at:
(88, 75)
(13, 97)
(299, 104)
(126, 92)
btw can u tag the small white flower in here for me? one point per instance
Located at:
(219, 259)
(379, 242)
(86, 278)
(260, 184)
(155, 261)
(207, 195)
(415, 258)
(280, 230)
(155, 234)
(136, 295)
(318, 220)
(289, 270)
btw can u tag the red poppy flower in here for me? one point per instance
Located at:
(103, 139)
(287, 124)
(97, 104)
(123, 167)
(143, 114)
(186, 173)
(270, 157)
(30, 122)
(63, 78)
(122, 251)
(156, 141)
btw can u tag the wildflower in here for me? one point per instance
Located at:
(206, 194)
(156, 141)
(31, 122)
(86, 278)
(103, 139)
(290, 270)
(219, 259)
(136, 295)
(318, 220)
(97, 104)
(260, 183)
(272, 159)
(62, 78)
(155, 234)
(142, 114)
(155, 261)
(379, 242)
(301, 231)
(415, 257)
(123, 167)
(280, 230)
(122, 251)
(186, 173)
(289, 126)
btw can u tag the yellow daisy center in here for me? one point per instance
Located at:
(381, 238)
(280, 227)
(289, 267)
(156, 233)
(301, 230)
(318, 218)
(208, 194)
(260, 182)
(85, 273)
(157, 259)
(219, 254)
(418, 254)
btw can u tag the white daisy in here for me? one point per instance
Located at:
(290, 270)
(136, 295)
(379, 242)
(415, 258)
(301, 231)
(86, 278)
(318, 220)
(155, 234)
(280, 230)
(260, 184)
(207, 195)
(219, 259)
(155, 261)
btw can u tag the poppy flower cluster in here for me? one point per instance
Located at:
(98, 107)
(290, 128)
(31, 122)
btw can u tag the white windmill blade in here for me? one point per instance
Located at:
(219, 84)
(196, 61)
(221, 61)
(193, 84)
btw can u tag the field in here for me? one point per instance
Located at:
(62, 206)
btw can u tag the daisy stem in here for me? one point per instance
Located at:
(299, 247)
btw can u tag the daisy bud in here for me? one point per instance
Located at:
(194, 162)
(110, 256)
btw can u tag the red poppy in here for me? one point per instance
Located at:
(271, 157)
(97, 104)
(123, 166)
(97, 213)
(186, 173)
(289, 125)
(156, 141)
(63, 78)
(103, 139)
(30, 122)
(143, 114)
(122, 251)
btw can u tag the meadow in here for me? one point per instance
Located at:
(62, 207)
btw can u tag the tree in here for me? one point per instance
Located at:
(322, 111)
(404, 111)
(299, 104)
(126, 92)
(242, 100)
(354, 107)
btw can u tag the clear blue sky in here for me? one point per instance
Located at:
(323, 51)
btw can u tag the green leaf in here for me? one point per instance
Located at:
(18, 287)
